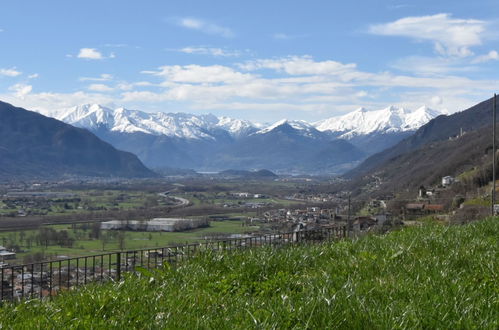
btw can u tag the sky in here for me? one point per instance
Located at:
(256, 60)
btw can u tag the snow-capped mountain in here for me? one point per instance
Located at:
(389, 120)
(300, 126)
(179, 125)
(188, 126)
(211, 143)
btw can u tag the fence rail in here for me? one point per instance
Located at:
(46, 279)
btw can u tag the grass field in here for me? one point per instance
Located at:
(133, 240)
(423, 277)
(83, 201)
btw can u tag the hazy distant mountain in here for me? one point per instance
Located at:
(289, 147)
(210, 143)
(32, 145)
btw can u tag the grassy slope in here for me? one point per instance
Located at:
(421, 277)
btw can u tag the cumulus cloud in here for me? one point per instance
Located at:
(450, 36)
(296, 83)
(490, 56)
(12, 72)
(33, 76)
(204, 26)
(307, 84)
(200, 74)
(49, 103)
(93, 54)
(299, 65)
(100, 88)
(21, 90)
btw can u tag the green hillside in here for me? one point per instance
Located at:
(432, 276)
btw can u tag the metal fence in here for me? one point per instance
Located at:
(46, 279)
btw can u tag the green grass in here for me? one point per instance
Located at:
(133, 239)
(480, 201)
(430, 276)
(104, 199)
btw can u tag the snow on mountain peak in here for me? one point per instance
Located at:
(189, 126)
(179, 125)
(389, 119)
(301, 126)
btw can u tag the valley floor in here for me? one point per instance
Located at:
(431, 276)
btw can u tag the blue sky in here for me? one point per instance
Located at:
(257, 60)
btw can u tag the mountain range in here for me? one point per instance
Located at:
(32, 145)
(210, 143)
(446, 145)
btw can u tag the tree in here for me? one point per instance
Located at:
(22, 236)
(121, 240)
(95, 230)
(104, 239)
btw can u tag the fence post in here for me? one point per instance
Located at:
(118, 266)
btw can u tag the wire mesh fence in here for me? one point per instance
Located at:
(47, 279)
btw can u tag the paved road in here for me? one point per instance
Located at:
(181, 201)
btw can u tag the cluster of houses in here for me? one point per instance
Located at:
(35, 202)
(251, 205)
(308, 215)
(18, 282)
(247, 195)
(314, 198)
(315, 217)
(426, 201)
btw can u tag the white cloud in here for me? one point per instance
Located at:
(102, 77)
(205, 27)
(303, 65)
(200, 74)
(298, 83)
(307, 84)
(210, 51)
(21, 90)
(33, 76)
(90, 54)
(422, 65)
(49, 102)
(93, 54)
(12, 72)
(100, 88)
(451, 36)
(490, 56)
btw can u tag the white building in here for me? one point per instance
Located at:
(156, 224)
(5, 254)
(447, 180)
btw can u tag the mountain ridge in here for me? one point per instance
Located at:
(211, 143)
(32, 145)
(437, 131)
(185, 125)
